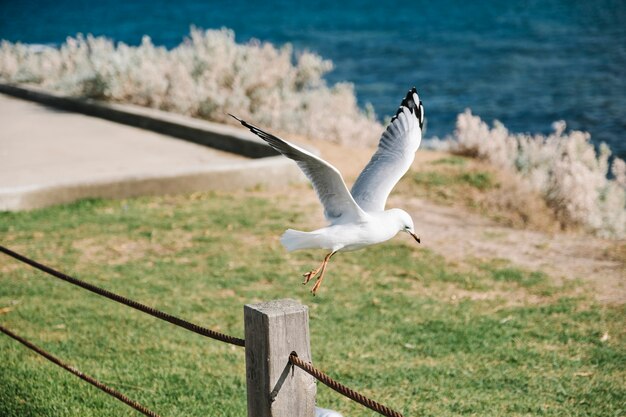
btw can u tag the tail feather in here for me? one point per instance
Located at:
(295, 239)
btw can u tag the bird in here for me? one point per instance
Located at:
(357, 218)
(324, 412)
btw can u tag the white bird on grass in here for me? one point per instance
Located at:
(357, 218)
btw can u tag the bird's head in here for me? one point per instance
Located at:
(405, 223)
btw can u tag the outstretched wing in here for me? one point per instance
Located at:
(394, 156)
(339, 206)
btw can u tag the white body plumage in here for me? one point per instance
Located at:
(377, 227)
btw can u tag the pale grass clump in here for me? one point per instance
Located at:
(564, 167)
(206, 76)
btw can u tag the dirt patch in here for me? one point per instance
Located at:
(7, 267)
(460, 235)
(117, 250)
(506, 296)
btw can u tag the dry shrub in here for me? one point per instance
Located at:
(564, 169)
(516, 204)
(206, 76)
(480, 186)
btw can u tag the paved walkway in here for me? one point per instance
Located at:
(64, 156)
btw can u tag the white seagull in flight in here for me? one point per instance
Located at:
(357, 218)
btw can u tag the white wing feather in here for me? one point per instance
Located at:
(339, 205)
(394, 156)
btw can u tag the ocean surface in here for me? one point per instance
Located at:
(525, 63)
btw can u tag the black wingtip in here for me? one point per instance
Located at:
(236, 118)
(243, 122)
(415, 108)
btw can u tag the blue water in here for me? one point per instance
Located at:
(526, 63)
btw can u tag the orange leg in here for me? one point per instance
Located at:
(321, 270)
(312, 273)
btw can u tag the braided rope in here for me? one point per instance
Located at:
(143, 410)
(128, 302)
(342, 389)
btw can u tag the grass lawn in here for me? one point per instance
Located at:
(396, 321)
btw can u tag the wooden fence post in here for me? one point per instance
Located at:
(276, 389)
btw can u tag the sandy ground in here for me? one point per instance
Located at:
(460, 235)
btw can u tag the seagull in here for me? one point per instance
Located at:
(357, 218)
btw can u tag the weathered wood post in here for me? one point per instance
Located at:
(273, 330)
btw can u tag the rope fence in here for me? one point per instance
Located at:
(293, 358)
(143, 410)
(128, 302)
(342, 389)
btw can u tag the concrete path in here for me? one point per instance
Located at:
(48, 156)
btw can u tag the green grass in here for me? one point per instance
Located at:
(479, 180)
(433, 178)
(451, 160)
(396, 321)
